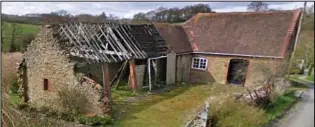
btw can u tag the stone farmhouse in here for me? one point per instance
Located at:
(210, 47)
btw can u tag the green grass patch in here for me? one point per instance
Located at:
(297, 82)
(311, 77)
(283, 102)
(15, 99)
(170, 108)
(22, 31)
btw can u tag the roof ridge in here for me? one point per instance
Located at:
(248, 12)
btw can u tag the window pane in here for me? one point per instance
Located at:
(195, 65)
(199, 63)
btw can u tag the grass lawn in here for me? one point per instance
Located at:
(15, 99)
(285, 101)
(281, 105)
(22, 30)
(171, 108)
(296, 79)
(311, 77)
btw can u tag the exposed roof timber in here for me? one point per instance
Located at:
(76, 45)
(134, 44)
(100, 43)
(107, 39)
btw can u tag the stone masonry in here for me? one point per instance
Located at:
(46, 61)
(218, 66)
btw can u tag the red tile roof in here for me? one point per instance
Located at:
(174, 36)
(248, 33)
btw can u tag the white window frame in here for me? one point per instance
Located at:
(199, 58)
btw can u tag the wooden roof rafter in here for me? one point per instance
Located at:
(100, 43)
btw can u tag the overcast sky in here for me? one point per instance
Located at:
(127, 9)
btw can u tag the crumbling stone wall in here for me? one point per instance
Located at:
(46, 60)
(218, 66)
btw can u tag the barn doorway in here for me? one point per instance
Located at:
(237, 71)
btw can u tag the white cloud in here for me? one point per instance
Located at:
(126, 9)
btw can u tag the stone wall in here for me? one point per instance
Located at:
(45, 60)
(217, 69)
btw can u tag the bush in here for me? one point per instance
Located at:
(232, 113)
(95, 121)
(14, 86)
(74, 100)
(68, 116)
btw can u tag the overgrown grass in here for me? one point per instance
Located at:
(170, 108)
(277, 108)
(232, 113)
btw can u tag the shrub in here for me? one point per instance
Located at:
(68, 116)
(14, 86)
(74, 100)
(232, 113)
(95, 121)
(44, 109)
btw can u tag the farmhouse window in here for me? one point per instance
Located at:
(45, 84)
(199, 63)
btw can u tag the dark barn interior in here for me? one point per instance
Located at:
(237, 71)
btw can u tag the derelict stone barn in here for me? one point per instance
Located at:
(210, 47)
(83, 56)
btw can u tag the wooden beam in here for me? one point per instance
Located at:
(106, 80)
(134, 44)
(128, 43)
(96, 42)
(78, 41)
(119, 74)
(133, 81)
(94, 45)
(89, 44)
(108, 41)
(73, 41)
(149, 73)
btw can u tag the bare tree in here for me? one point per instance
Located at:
(62, 13)
(112, 17)
(273, 72)
(257, 6)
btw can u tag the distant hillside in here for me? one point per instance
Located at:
(305, 45)
(23, 34)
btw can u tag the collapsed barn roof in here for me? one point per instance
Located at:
(110, 42)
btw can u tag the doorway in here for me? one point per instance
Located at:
(237, 71)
